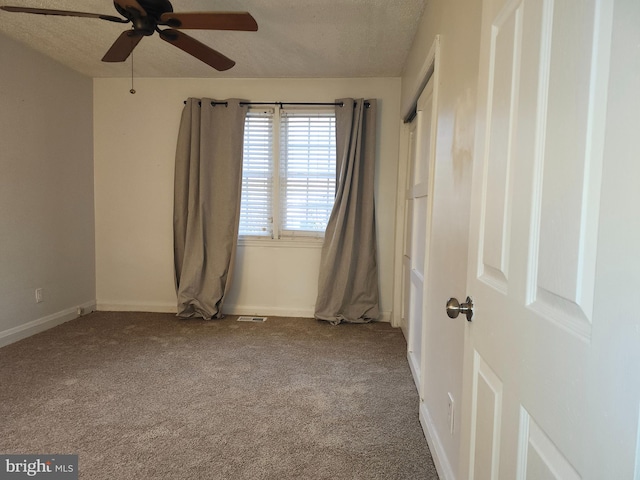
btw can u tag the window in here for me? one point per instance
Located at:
(289, 172)
(257, 174)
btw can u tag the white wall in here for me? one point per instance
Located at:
(46, 192)
(135, 140)
(457, 22)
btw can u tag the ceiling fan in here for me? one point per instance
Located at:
(147, 15)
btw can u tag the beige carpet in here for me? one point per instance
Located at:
(149, 396)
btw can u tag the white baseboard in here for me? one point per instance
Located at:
(414, 366)
(283, 312)
(227, 309)
(136, 307)
(268, 311)
(45, 323)
(440, 459)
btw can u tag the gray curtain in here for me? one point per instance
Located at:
(348, 280)
(206, 213)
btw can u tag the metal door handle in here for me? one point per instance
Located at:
(455, 308)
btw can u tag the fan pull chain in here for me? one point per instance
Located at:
(133, 90)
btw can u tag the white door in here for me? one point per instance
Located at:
(416, 234)
(404, 185)
(537, 342)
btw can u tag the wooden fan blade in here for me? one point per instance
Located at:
(123, 46)
(210, 21)
(63, 13)
(197, 49)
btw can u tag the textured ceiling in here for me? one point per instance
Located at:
(295, 38)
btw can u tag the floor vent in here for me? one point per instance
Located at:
(252, 319)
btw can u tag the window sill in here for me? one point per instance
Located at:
(299, 242)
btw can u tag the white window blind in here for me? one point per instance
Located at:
(289, 172)
(256, 215)
(307, 171)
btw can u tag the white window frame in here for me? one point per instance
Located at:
(278, 234)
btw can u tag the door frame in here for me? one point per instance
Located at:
(430, 70)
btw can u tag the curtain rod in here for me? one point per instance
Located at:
(332, 104)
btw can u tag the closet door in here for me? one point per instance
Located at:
(416, 237)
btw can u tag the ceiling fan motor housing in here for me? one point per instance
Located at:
(144, 25)
(146, 21)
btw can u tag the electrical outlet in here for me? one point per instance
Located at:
(450, 414)
(39, 297)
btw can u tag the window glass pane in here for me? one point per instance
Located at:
(307, 171)
(257, 174)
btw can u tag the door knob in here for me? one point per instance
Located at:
(455, 308)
